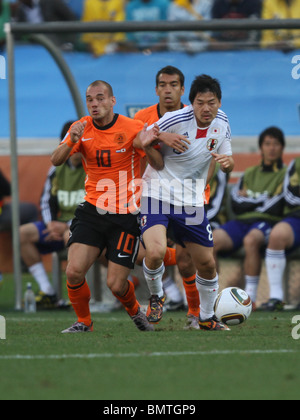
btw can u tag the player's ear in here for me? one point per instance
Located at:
(114, 100)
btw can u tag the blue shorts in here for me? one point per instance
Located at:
(185, 226)
(237, 230)
(294, 222)
(47, 247)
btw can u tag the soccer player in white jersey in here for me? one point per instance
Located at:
(174, 195)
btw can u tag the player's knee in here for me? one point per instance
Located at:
(207, 268)
(74, 274)
(278, 238)
(185, 266)
(116, 286)
(252, 242)
(156, 253)
(25, 233)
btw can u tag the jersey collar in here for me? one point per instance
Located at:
(106, 127)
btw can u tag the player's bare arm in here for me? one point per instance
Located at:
(145, 140)
(62, 152)
(154, 157)
(226, 162)
(175, 141)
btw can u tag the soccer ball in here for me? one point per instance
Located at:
(233, 306)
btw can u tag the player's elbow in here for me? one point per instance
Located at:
(159, 165)
(56, 160)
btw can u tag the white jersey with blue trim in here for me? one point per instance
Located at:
(183, 179)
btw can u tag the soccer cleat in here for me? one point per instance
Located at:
(192, 323)
(212, 324)
(273, 305)
(78, 327)
(172, 306)
(44, 301)
(142, 322)
(155, 309)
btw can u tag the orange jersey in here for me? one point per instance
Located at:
(148, 115)
(112, 164)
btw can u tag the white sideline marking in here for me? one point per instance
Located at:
(112, 319)
(136, 355)
(38, 319)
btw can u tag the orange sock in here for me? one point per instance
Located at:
(129, 300)
(170, 257)
(192, 295)
(80, 297)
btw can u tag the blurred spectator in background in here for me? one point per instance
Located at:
(236, 9)
(258, 202)
(285, 39)
(147, 11)
(185, 10)
(76, 6)
(39, 11)
(4, 17)
(104, 10)
(284, 238)
(28, 211)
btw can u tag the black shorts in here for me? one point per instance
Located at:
(118, 233)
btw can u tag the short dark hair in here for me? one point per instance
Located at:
(275, 132)
(102, 82)
(203, 84)
(170, 70)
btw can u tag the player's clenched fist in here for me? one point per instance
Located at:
(77, 131)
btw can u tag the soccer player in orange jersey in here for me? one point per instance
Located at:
(170, 89)
(108, 218)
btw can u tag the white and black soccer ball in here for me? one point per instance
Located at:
(233, 306)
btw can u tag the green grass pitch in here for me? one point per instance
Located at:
(257, 360)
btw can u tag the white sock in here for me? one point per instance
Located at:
(208, 291)
(252, 286)
(171, 290)
(154, 279)
(39, 274)
(275, 265)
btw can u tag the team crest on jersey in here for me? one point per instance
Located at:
(120, 138)
(211, 144)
